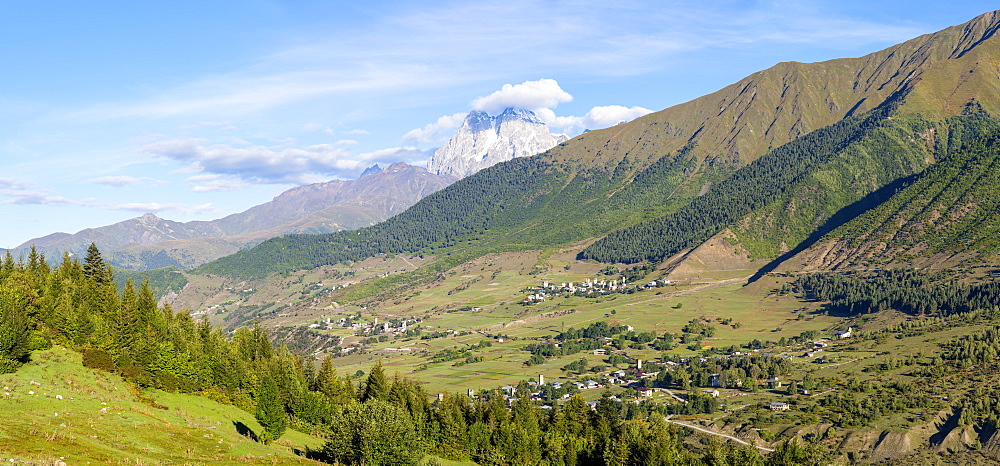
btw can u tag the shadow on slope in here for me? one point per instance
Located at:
(872, 200)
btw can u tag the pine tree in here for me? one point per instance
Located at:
(94, 268)
(330, 384)
(14, 334)
(7, 266)
(377, 385)
(270, 411)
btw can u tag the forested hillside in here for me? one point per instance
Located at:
(804, 188)
(946, 216)
(519, 204)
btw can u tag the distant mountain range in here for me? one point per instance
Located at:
(148, 241)
(737, 179)
(485, 140)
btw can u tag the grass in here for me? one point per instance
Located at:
(497, 283)
(99, 419)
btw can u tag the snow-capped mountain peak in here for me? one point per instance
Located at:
(485, 140)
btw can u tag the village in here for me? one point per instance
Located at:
(589, 288)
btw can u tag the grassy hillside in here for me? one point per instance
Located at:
(56, 409)
(749, 188)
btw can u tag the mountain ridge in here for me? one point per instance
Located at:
(150, 242)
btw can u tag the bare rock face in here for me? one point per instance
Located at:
(485, 140)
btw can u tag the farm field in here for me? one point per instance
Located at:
(477, 307)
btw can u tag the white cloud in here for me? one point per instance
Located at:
(357, 131)
(12, 184)
(213, 183)
(318, 128)
(156, 207)
(596, 118)
(346, 142)
(612, 115)
(531, 95)
(124, 180)
(19, 193)
(257, 164)
(431, 131)
(28, 198)
(395, 154)
(538, 96)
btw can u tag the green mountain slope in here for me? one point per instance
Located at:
(749, 188)
(948, 216)
(859, 178)
(56, 411)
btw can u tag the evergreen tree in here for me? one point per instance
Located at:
(270, 411)
(94, 268)
(377, 385)
(330, 384)
(7, 266)
(14, 336)
(373, 432)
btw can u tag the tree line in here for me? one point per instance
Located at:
(914, 292)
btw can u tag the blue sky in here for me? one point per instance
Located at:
(195, 110)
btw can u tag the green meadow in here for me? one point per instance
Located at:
(55, 409)
(482, 301)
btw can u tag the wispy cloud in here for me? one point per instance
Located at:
(8, 184)
(215, 183)
(257, 164)
(459, 42)
(22, 193)
(430, 131)
(125, 180)
(395, 154)
(36, 198)
(155, 207)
